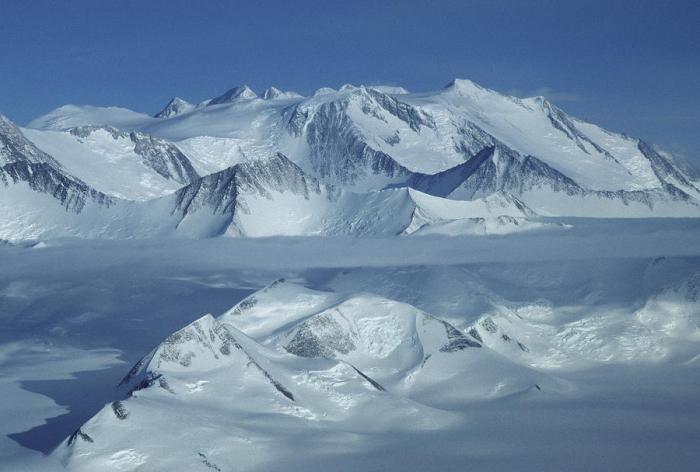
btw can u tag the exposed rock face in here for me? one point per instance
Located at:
(219, 191)
(338, 151)
(202, 345)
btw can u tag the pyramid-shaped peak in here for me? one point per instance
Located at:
(273, 92)
(174, 107)
(236, 93)
(464, 85)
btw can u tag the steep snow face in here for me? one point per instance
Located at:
(176, 106)
(72, 116)
(132, 166)
(209, 154)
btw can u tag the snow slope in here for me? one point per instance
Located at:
(131, 166)
(72, 116)
(32, 182)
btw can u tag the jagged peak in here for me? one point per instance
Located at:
(178, 101)
(275, 164)
(272, 92)
(276, 157)
(198, 343)
(236, 93)
(174, 107)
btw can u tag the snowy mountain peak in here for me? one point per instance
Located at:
(323, 91)
(176, 106)
(390, 89)
(465, 87)
(240, 92)
(70, 116)
(273, 92)
(349, 88)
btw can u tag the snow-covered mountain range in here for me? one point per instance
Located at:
(358, 160)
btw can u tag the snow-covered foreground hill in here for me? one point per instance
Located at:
(547, 350)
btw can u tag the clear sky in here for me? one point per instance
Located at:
(631, 66)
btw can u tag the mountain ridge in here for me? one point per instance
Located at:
(355, 144)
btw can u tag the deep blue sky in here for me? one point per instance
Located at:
(631, 66)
